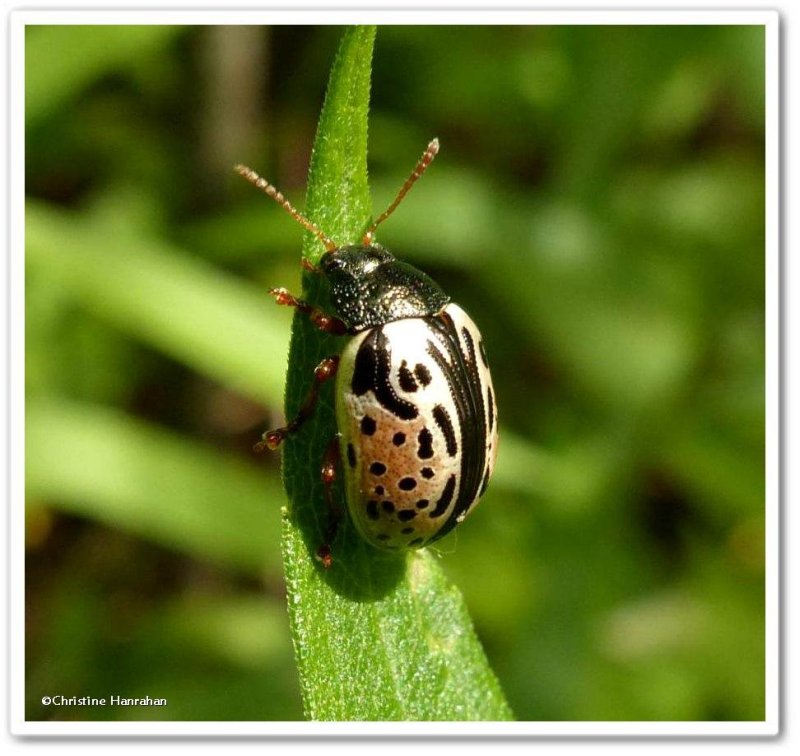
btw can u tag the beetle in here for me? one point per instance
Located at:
(415, 406)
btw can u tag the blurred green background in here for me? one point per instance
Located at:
(597, 207)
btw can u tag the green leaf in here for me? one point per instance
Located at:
(377, 637)
(103, 464)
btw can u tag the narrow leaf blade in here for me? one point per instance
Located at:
(150, 482)
(376, 637)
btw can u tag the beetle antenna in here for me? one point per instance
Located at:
(419, 169)
(271, 191)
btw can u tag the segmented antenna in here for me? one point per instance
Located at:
(419, 169)
(271, 191)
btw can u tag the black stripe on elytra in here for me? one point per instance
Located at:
(490, 397)
(446, 425)
(485, 483)
(460, 369)
(445, 498)
(465, 334)
(371, 372)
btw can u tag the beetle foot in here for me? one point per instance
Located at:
(323, 555)
(270, 440)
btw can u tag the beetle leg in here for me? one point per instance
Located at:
(321, 320)
(328, 473)
(324, 371)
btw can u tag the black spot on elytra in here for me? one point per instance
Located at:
(406, 531)
(368, 425)
(388, 506)
(399, 439)
(425, 440)
(377, 468)
(422, 503)
(407, 484)
(422, 373)
(383, 537)
(416, 541)
(404, 515)
(427, 472)
(407, 382)
(442, 418)
(446, 498)
(379, 490)
(372, 510)
(351, 455)
(482, 350)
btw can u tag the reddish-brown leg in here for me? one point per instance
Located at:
(328, 473)
(321, 320)
(324, 371)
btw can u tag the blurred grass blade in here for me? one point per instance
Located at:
(101, 464)
(222, 327)
(376, 637)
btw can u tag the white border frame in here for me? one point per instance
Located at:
(20, 19)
